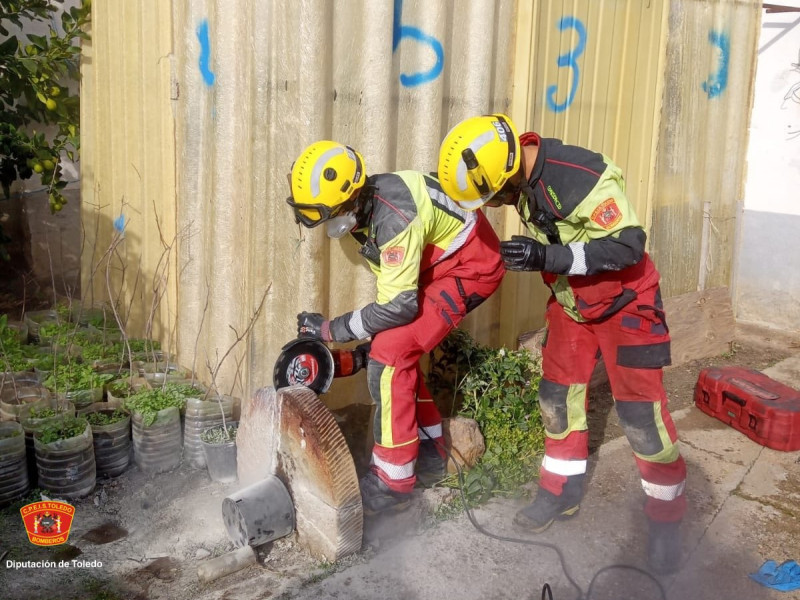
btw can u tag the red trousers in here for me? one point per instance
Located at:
(634, 343)
(405, 412)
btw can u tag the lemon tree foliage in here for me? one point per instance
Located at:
(35, 72)
(498, 389)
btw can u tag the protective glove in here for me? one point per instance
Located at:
(522, 253)
(361, 356)
(313, 326)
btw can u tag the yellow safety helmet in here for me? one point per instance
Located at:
(322, 182)
(476, 159)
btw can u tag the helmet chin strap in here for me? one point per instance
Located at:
(540, 218)
(363, 205)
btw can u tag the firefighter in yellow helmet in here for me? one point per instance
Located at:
(434, 262)
(590, 249)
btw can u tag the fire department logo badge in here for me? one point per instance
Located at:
(47, 523)
(607, 214)
(393, 256)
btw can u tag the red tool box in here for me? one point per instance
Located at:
(765, 410)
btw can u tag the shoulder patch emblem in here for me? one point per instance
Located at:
(607, 214)
(393, 256)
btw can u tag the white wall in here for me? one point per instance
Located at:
(773, 156)
(767, 285)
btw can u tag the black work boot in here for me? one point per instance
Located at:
(664, 547)
(546, 508)
(378, 497)
(430, 468)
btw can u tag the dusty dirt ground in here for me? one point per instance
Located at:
(142, 537)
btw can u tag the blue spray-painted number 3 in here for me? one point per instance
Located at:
(570, 59)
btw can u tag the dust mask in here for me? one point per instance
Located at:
(341, 225)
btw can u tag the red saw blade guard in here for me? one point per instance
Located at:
(304, 362)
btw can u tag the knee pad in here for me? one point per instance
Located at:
(638, 420)
(553, 405)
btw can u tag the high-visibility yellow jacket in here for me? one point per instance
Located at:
(595, 256)
(413, 225)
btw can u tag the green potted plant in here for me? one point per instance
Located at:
(32, 418)
(111, 436)
(219, 449)
(65, 457)
(78, 383)
(156, 426)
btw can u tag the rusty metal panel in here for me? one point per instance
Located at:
(588, 72)
(128, 165)
(700, 164)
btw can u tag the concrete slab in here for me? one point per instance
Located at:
(787, 372)
(774, 479)
(729, 549)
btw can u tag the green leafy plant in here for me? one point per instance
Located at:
(105, 417)
(42, 413)
(187, 390)
(11, 350)
(219, 434)
(498, 389)
(62, 429)
(74, 376)
(35, 73)
(148, 403)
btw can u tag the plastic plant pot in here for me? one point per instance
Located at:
(112, 441)
(259, 513)
(220, 452)
(66, 466)
(14, 481)
(201, 415)
(157, 447)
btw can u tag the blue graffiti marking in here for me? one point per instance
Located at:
(205, 53)
(570, 59)
(717, 82)
(400, 31)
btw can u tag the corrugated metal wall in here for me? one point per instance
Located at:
(128, 165)
(195, 111)
(700, 164)
(595, 74)
(255, 82)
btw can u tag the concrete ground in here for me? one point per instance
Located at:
(744, 508)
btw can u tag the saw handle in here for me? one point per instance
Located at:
(350, 362)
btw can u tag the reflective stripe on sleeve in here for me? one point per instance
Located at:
(559, 466)
(394, 471)
(578, 259)
(356, 325)
(663, 492)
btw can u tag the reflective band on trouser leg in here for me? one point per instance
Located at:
(430, 433)
(393, 472)
(562, 459)
(564, 467)
(663, 492)
(429, 420)
(664, 485)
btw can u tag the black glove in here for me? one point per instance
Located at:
(523, 254)
(314, 326)
(361, 356)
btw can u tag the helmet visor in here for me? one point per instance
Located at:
(311, 215)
